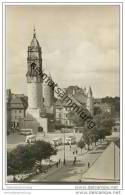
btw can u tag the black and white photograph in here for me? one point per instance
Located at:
(62, 94)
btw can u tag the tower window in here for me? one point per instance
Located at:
(33, 65)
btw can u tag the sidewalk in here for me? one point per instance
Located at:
(69, 172)
(42, 176)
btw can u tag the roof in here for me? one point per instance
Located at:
(106, 167)
(60, 104)
(89, 92)
(34, 42)
(81, 99)
(117, 142)
(17, 103)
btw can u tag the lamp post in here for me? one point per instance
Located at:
(64, 162)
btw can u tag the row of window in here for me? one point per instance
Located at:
(18, 111)
(66, 122)
(60, 115)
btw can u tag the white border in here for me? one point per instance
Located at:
(11, 186)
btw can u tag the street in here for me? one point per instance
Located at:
(70, 172)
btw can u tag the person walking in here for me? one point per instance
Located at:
(88, 165)
(57, 164)
(76, 152)
(74, 162)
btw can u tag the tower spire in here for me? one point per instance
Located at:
(34, 32)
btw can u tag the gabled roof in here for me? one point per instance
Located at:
(16, 103)
(106, 167)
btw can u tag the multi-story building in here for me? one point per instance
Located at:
(80, 97)
(16, 108)
(62, 112)
(100, 107)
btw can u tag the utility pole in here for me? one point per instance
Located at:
(114, 160)
(64, 162)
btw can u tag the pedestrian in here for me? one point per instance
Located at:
(70, 146)
(37, 171)
(14, 178)
(59, 161)
(73, 153)
(88, 165)
(74, 162)
(57, 164)
(76, 152)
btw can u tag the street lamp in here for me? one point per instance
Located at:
(64, 162)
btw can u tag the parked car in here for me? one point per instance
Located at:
(26, 131)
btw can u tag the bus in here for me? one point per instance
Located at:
(70, 140)
(30, 139)
(57, 141)
(26, 131)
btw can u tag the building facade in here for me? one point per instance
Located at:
(16, 109)
(62, 112)
(80, 97)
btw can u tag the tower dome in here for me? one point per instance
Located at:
(34, 42)
(34, 55)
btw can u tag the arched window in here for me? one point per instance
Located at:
(33, 66)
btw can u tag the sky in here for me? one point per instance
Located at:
(80, 45)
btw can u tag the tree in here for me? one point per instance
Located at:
(42, 150)
(104, 123)
(97, 110)
(81, 144)
(20, 160)
(23, 158)
(113, 101)
(79, 122)
(76, 119)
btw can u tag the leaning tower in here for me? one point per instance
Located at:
(34, 81)
(35, 84)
